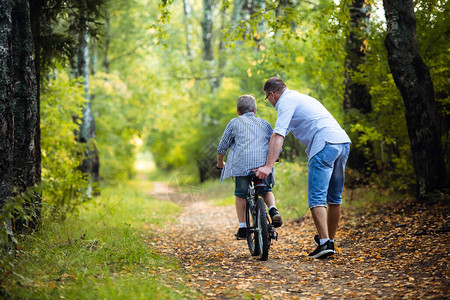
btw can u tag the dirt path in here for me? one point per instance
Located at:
(379, 255)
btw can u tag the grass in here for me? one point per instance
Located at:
(101, 253)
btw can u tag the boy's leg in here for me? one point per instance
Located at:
(275, 216)
(240, 209)
(241, 192)
(269, 199)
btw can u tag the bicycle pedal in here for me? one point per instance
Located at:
(274, 235)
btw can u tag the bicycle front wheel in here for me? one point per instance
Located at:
(262, 229)
(252, 223)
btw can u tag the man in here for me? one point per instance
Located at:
(247, 139)
(327, 146)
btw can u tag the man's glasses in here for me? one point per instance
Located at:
(267, 96)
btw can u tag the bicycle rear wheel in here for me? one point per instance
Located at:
(262, 230)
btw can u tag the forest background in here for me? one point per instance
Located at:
(118, 78)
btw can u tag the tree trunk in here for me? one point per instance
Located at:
(207, 37)
(357, 99)
(6, 103)
(221, 58)
(87, 127)
(107, 41)
(237, 10)
(413, 80)
(356, 95)
(188, 28)
(26, 111)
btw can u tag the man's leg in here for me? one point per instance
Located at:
(320, 169)
(334, 214)
(335, 190)
(319, 215)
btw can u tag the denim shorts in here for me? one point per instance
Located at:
(326, 175)
(241, 186)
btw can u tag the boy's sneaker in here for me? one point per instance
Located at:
(323, 251)
(275, 217)
(241, 234)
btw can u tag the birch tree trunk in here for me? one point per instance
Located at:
(26, 170)
(237, 10)
(188, 28)
(87, 127)
(221, 48)
(413, 80)
(207, 37)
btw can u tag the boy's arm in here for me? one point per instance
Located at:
(225, 141)
(223, 146)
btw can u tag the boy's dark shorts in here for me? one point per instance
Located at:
(241, 186)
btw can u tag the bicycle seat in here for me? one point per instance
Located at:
(257, 182)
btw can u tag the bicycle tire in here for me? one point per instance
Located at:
(252, 238)
(263, 230)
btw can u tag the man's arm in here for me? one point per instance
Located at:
(275, 144)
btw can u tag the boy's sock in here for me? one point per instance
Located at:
(243, 225)
(332, 241)
(273, 207)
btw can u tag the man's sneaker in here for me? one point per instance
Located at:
(323, 251)
(317, 241)
(275, 217)
(241, 234)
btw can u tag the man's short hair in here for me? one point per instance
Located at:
(273, 84)
(246, 103)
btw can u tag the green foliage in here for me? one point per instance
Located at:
(433, 30)
(55, 25)
(303, 42)
(118, 124)
(103, 252)
(291, 188)
(63, 184)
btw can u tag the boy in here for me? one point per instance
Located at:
(247, 137)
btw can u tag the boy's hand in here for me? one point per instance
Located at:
(262, 172)
(220, 161)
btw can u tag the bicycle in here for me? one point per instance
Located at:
(260, 229)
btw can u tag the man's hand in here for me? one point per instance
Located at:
(263, 172)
